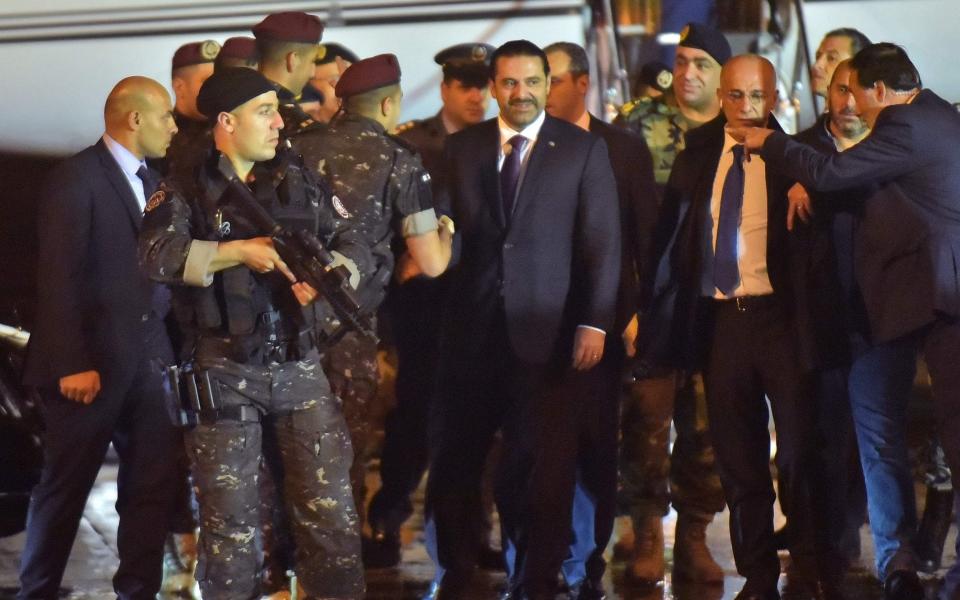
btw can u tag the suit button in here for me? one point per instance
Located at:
(145, 317)
(507, 246)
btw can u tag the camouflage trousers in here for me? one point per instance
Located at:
(652, 476)
(307, 423)
(352, 368)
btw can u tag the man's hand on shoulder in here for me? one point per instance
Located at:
(81, 387)
(587, 347)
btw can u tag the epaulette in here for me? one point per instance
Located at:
(402, 142)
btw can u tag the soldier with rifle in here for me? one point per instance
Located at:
(259, 293)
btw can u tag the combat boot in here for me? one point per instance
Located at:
(691, 557)
(932, 534)
(648, 565)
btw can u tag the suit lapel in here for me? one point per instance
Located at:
(541, 153)
(121, 186)
(489, 174)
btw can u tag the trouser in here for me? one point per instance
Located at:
(752, 357)
(486, 389)
(652, 476)
(352, 368)
(134, 418)
(315, 451)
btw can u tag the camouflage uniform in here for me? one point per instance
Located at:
(650, 476)
(381, 191)
(256, 342)
(188, 148)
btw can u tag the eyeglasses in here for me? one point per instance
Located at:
(756, 97)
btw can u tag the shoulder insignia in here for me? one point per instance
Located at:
(340, 208)
(402, 143)
(628, 107)
(155, 200)
(405, 126)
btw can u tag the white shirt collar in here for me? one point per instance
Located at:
(531, 131)
(128, 163)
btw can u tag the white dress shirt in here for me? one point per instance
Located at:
(752, 232)
(129, 164)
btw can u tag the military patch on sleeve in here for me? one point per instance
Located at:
(340, 208)
(155, 200)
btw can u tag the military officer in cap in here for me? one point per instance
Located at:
(240, 51)
(383, 192)
(332, 60)
(192, 64)
(253, 340)
(288, 44)
(650, 477)
(412, 307)
(654, 81)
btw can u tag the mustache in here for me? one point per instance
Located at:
(522, 101)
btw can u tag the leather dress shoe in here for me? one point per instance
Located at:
(588, 589)
(902, 584)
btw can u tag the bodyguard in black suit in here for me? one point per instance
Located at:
(536, 225)
(596, 392)
(723, 298)
(99, 349)
(909, 236)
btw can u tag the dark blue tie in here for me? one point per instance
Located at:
(726, 273)
(510, 173)
(150, 183)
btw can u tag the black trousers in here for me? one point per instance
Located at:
(753, 357)
(132, 416)
(484, 389)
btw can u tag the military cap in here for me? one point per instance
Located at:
(195, 53)
(331, 51)
(228, 88)
(369, 74)
(293, 26)
(465, 53)
(657, 75)
(239, 48)
(708, 39)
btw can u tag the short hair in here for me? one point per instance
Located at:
(858, 41)
(888, 63)
(518, 48)
(368, 103)
(275, 51)
(579, 63)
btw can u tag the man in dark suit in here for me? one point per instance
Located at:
(722, 299)
(99, 350)
(909, 235)
(534, 293)
(597, 391)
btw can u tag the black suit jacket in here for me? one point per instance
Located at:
(632, 166)
(92, 296)
(563, 235)
(908, 241)
(672, 331)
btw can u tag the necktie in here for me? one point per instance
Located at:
(510, 173)
(726, 273)
(150, 182)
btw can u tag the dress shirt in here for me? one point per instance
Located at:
(752, 232)
(129, 164)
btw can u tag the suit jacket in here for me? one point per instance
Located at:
(908, 242)
(563, 235)
(92, 297)
(632, 166)
(672, 330)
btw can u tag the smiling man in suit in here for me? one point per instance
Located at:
(99, 350)
(535, 202)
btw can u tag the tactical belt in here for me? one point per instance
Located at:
(242, 414)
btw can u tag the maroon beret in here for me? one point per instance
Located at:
(369, 74)
(290, 27)
(195, 53)
(240, 48)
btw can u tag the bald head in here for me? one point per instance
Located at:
(139, 116)
(748, 90)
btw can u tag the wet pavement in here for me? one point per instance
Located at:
(94, 558)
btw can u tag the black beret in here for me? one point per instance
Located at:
(331, 51)
(708, 39)
(293, 26)
(195, 53)
(465, 53)
(228, 88)
(239, 48)
(656, 74)
(369, 74)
